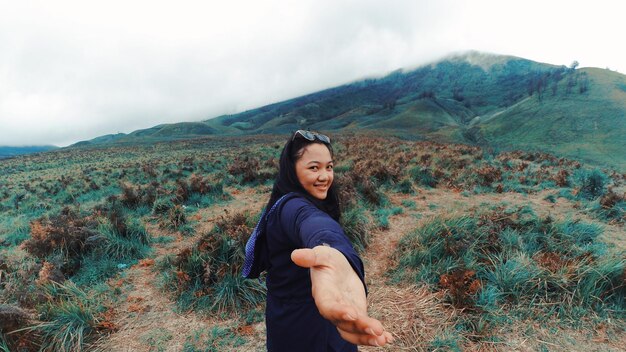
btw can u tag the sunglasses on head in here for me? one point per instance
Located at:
(311, 136)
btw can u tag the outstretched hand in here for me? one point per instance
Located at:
(340, 296)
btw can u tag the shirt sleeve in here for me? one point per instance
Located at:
(307, 227)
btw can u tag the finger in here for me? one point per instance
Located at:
(362, 325)
(348, 318)
(338, 313)
(389, 337)
(304, 257)
(364, 339)
(317, 256)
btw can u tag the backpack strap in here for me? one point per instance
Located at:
(256, 260)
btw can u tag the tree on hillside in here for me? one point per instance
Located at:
(457, 94)
(573, 65)
(583, 83)
(390, 102)
(571, 83)
(428, 94)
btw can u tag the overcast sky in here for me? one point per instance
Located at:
(75, 70)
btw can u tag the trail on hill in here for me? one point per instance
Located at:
(147, 319)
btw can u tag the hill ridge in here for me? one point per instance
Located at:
(482, 93)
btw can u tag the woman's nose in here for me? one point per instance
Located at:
(323, 176)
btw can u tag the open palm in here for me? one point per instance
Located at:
(340, 296)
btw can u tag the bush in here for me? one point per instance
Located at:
(71, 318)
(247, 169)
(135, 196)
(511, 259)
(382, 216)
(18, 281)
(13, 337)
(62, 239)
(611, 207)
(207, 277)
(65, 232)
(12, 318)
(356, 226)
(592, 183)
(423, 176)
(123, 238)
(162, 206)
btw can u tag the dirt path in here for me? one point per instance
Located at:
(147, 319)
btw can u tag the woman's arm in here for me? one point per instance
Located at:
(339, 295)
(308, 227)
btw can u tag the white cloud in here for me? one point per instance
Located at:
(72, 70)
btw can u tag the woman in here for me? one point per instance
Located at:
(316, 297)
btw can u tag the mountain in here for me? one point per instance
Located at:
(491, 100)
(181, 130)
(8, 152)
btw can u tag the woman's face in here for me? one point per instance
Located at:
(315, 170)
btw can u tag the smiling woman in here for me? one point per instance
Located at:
(316, 295)
(315, 170)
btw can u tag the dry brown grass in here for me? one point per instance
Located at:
(413, 315)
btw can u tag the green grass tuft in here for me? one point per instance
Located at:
(509, 261)
(70, 318)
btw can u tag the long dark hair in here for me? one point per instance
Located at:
(287, 180)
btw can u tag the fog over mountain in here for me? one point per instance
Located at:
(74, 70)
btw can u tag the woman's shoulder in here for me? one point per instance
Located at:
(294, 206)
(294, 201)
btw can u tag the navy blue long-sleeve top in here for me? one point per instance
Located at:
(292, 319)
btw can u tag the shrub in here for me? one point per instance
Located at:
(511, 258)
(371, 193)
(207, 276)
(423, 176)
(13, 321)
(162, 205)
(18, 281)
(65, 232)
(382, 216)
(488, 175)
(612, 207)
(405, 187)
(248, 170)
(381, 172)
(176, 217)
(63, 239)
(123, 238)
(592, 183)
(71, 318)
(135, 196)
(189, 191)
(561, 178)
(356, 226)
(12, 318)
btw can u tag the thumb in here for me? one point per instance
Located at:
(305, 257)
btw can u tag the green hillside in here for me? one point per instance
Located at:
(9, 152)
(490, 100)
(461, 87)
(586, 121)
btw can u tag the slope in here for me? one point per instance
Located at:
(584, 116)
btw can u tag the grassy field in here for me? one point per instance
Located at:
(140, 247)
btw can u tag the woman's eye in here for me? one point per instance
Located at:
(314, 168)
(329, 167)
